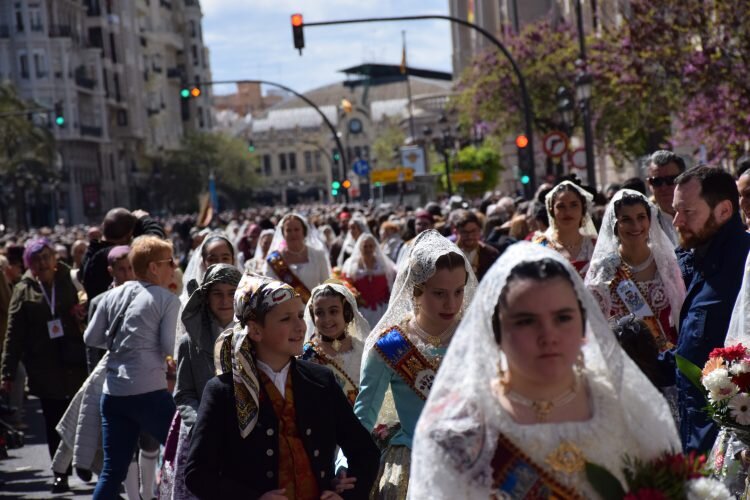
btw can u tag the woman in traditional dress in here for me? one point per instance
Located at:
(269, 425)
(634, 269)
(258, 262)
(297, 256)
(336, 333)
(533, 387)
(372, 274)
(730, 456)
(405, 349)
(571, 231)
(208, 313)
(215, 249)
(357, 227)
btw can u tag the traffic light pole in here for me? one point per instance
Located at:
(334, 132)
(528, 113)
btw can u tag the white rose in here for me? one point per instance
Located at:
(707, 489)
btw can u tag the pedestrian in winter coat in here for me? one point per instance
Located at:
(44, 331)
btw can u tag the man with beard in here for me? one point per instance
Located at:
(712, 253)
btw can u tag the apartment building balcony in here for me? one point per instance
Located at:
(91, 130)
(60, 31)
(83, 80)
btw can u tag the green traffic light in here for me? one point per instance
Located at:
(334, 192)
(60, 121)
(336, 157)
(525, 179)
(251, 149)
(335, 185)
(184, 93)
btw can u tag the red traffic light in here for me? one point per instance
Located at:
(347, 184)
(296, 20)
(522, 141)
(297, 34)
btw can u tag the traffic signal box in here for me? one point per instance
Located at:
(297, 34)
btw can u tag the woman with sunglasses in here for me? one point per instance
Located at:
(136, 323)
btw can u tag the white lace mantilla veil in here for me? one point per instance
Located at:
(428, 247)
(739, 325)
(606, 258)
(349, 242)
(587, 225)
(312, 240)
(385, 264)
(358, 328)
(195, 269)
(463, 412)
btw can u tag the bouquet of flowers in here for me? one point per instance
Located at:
(725, 379)
(671, 476)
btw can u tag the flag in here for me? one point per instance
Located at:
(206, 212)
(470, 12)
(403, 59)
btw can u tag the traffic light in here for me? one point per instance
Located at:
(251, 146)
(59, 117)
(336, 156)
(299, 37)
(347, 184)
(335, 185)
(346, 106)
(524, 160)
(188, 92)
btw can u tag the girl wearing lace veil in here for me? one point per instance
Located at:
(258, 262)
(404, 351)
(634, 269)
(216, 248)
(372, 274)
(731, 451)
(297, 256)
(357, 227)
(571, 230)
(336, 333)
(544, 388)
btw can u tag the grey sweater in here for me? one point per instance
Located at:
(136, 363)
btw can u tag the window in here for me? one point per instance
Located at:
(282, 163)
(196, 59)
(193, 30)
(35, 17)
(201, 120)
(40, 64)
(308, 161)
(318, 163)
(293, 163)
(19, 17)
(267, 165)
(122, 117)
(23, 64)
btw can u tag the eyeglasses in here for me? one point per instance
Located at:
(667, 180)
(172, 262)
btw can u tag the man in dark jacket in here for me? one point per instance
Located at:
(712, 253)
(119, 227)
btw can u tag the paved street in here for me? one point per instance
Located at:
(27, 472)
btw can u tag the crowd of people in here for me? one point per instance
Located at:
(464, 349)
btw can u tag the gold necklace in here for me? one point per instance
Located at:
(433, 340)
(542, 408)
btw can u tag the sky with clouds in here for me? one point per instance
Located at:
(253, 39)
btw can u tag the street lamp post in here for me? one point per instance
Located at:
(443, 144)
(566, 108)
(583, 95)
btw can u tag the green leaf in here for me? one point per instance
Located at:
(691, 371)
(604, 482)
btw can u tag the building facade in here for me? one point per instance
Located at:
(115, 69)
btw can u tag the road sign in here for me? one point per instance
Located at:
(413, 157)
(361, 168)
(464, 176)
(555, 144)
(392, 175)
(578, 158)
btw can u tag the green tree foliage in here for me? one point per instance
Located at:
(389, 139)
(26, 149)
(484, 158)
(186, 170)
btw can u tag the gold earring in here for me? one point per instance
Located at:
(580, 364)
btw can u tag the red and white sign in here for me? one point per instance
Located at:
(555, 144)
(577, 158)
